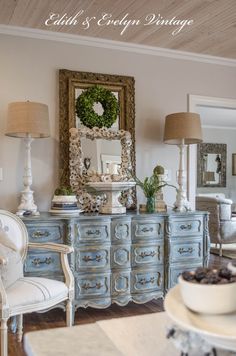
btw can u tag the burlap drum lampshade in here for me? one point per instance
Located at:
(28, 118)
(183, 126)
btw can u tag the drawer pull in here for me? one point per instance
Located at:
(37, 261)
(98, 258)
(185, 250)
(146, 229)
(87, 286)
(37, 234)
(186, 227)
(143, 281)
(93, 232)
(147, 254)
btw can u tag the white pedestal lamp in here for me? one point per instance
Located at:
(27, 120)
(182, 129)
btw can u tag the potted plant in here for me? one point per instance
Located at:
(151, 186)
(64, 191)
(64, 199)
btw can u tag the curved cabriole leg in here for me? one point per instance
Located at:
(19, 325)
(69, 312)
(13, 326)
(4, 337)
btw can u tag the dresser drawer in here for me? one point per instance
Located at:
(120, 283)
(186, 250)
(42, 262)
(92, 285)
(187, 227)
(147, 254)
(93, 232)
(92, 258)
(146, 229)
(121, 231)
(175, 272)
(120, 256)
(46, 233)
(146, 281)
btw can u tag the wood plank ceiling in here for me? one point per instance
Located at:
(213, 31)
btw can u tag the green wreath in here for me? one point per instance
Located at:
(86, 113)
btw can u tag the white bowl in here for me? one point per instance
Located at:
(208, 298)
(64, 199)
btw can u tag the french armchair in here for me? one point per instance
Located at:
(222, 227)
(19, 294)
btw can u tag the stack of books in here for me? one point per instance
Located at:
(64, 205)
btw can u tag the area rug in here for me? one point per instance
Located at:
(228, 251)
(139, 335)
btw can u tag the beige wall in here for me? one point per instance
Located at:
(29, 71)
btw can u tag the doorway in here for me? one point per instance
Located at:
(218, 114)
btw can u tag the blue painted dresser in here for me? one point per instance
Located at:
(120, 258)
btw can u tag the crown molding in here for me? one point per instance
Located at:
(114, 45)
(209, 101)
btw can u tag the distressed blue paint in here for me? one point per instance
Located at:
(92, 285)
(92, 258)
(43, 262)
(122, 257)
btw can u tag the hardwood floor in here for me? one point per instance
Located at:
(56, 318)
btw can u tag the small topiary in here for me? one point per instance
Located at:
(158, 170)
(64, 191)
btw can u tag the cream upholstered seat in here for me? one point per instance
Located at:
(19, 294)
(30, 291)
(222, 227)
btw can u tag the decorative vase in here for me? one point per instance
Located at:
(150, 205)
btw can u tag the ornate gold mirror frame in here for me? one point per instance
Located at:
(69, 81)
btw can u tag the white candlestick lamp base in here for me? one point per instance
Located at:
(181, 204)
(27, 195)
